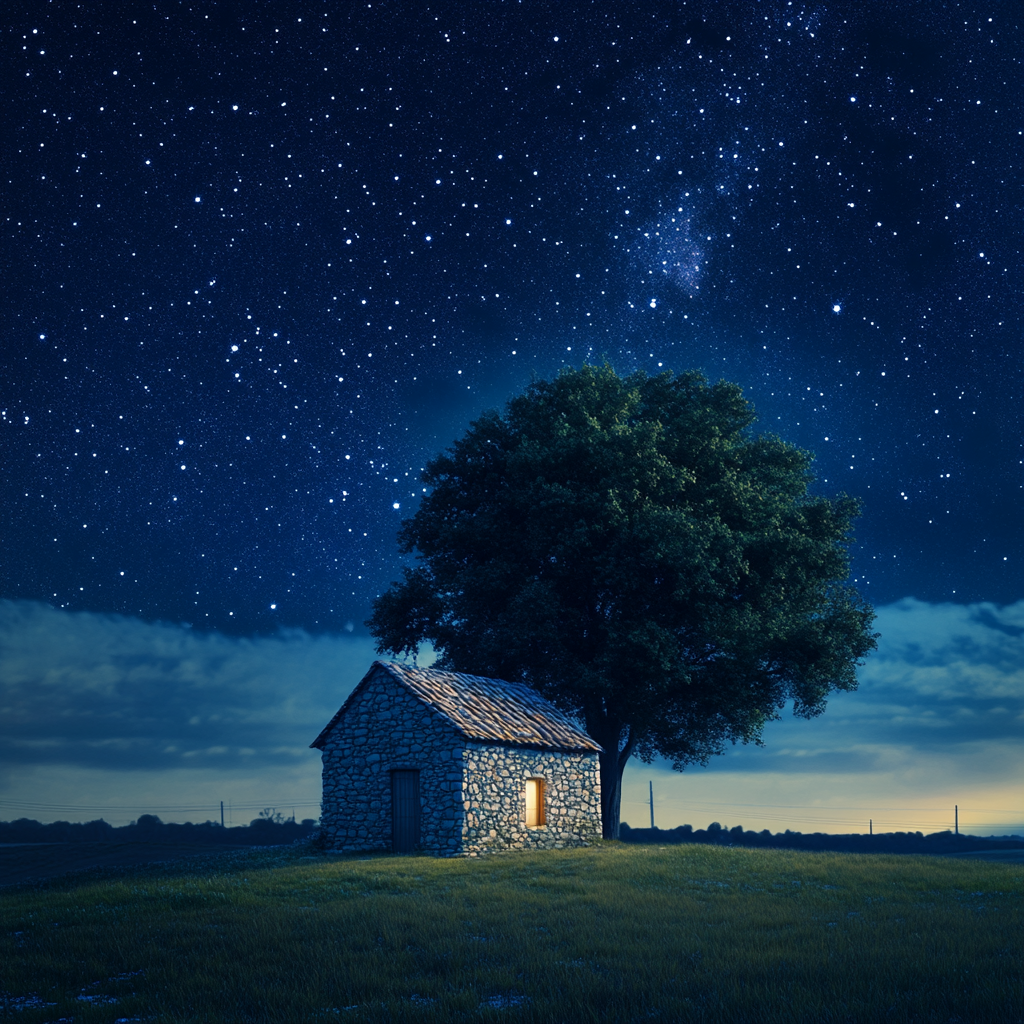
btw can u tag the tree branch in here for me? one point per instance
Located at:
(627, 751)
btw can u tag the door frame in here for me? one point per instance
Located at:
(416, 819)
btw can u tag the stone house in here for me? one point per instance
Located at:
(455, 765)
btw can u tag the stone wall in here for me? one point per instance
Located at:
(383, 729)
(494, 799)
(472, 795)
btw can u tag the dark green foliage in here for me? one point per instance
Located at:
(633, 550)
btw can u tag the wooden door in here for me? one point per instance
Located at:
(405, 810)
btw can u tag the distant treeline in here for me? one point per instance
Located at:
(885, 842)
(270, 829)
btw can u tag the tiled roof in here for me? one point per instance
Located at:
(483, 710)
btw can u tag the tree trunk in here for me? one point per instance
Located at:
(612, 763)
(611, 794)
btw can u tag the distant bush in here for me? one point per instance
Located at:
(885, 842)
(266, 830)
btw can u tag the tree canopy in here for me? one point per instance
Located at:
(634, 550)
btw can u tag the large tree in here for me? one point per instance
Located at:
(633, 549)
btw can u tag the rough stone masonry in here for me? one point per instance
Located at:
(471, 792)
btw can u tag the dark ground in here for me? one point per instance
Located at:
(1002, 856)
(36, 862)
(33, 862)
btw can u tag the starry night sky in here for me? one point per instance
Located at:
(260, 262)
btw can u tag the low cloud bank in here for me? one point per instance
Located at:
(947, 675)
(112, 693)
(947, 682)
(100, 692)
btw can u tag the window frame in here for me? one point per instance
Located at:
(540, 811)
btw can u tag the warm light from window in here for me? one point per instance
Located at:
(534, 803)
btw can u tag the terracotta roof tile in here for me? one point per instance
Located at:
(484, 710)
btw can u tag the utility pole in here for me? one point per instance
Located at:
(871, 827)
(650, 784)
(956, 819)
(222, 814)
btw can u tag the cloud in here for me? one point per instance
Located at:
(105, 692)
(114, 693)
(98, 711)
(936, 722)
(947, 681)
(947, 675)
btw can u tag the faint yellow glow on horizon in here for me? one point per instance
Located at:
(922, 800)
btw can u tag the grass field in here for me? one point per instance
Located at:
(612, 933)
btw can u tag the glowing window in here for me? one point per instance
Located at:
(534, 803)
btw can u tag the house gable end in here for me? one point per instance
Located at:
(387, 738)
(318, 743)
(380, 671)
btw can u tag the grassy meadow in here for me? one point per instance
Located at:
(611, 933)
